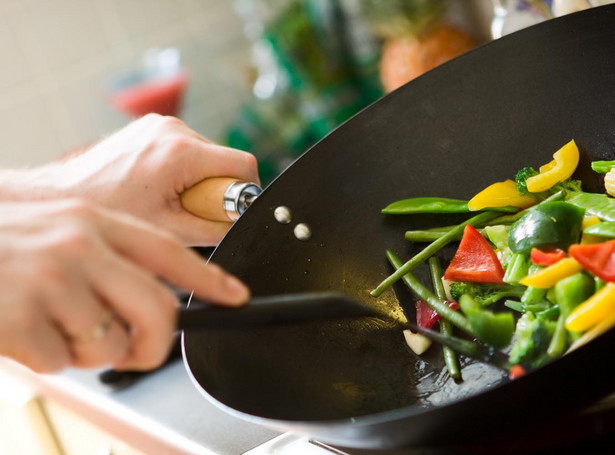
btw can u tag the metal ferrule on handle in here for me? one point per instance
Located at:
(238, 197)
(219, 199)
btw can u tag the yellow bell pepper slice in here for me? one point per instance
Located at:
(547, 278)
(501, 194)
(594, 332)
(547, 167)
(563, 165)
(587, 239)
(597, 308)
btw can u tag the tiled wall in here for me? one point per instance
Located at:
(57, 57)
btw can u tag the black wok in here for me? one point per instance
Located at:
(469, 123)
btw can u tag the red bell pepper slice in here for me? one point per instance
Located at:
(598, 258)
(546, 257)
(474, 260)
(426, 316)
(516, 371)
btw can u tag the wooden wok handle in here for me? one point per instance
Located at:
(219, 198)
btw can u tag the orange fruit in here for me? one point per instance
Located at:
(407, 57)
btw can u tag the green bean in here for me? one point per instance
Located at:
(429, 251)
(504, 219)
(450, 358)
(602, 167)
(427, 235)
(454, 317)
(431, 234)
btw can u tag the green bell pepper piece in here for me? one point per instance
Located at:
(492, 328)
(572, 291)
(550, 225)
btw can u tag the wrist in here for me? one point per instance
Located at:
(22, 185)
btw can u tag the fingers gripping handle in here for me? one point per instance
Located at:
(219, 198)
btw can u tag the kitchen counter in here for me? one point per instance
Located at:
(162, 413)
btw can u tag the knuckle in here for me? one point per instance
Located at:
(78, 208)
(150, 120)
(74, 243)
(81, 213)
(169, 120)
(166, 122)
(179, 142)
(151, 116)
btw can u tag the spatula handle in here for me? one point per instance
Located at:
(219, 198)
(270, 311)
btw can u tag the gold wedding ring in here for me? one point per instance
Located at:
(96, 332)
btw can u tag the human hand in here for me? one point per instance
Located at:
(143, 169)
(66, 265)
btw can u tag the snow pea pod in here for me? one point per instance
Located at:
(547, 225)
(433, 205)
(596, 204)
(604, 229)
(426, 205)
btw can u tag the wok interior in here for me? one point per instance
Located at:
(449, 133)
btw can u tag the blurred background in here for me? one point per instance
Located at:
(268, 76)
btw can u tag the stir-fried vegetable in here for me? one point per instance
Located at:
(446, 328)
(564, 163)
(552, 263)
(548, 225)
(602, 167)
(595, 309)
(598, 258)
(546, 257)
(549, 276)
(429, 251)
(485, 294)
(426, 205)
(601, 229)
(501, 194)
(495, 329)
(475, 260)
